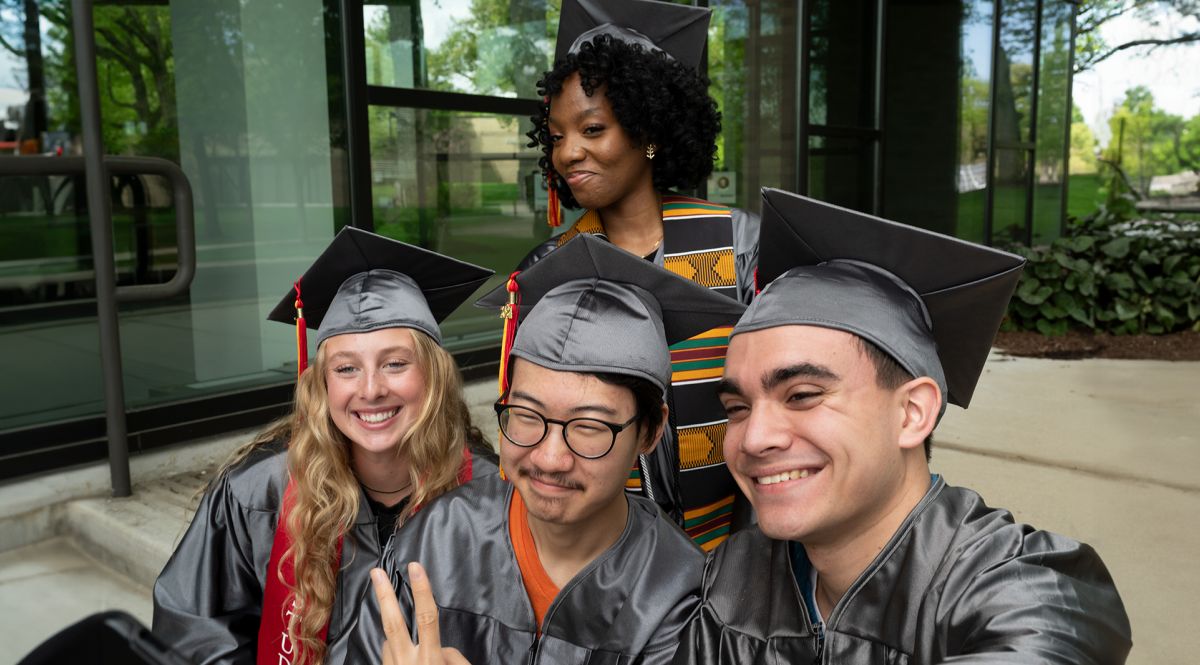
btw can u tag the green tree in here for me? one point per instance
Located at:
(1144, 139)
(134, 68)
(1091, 48)
(1083, 145)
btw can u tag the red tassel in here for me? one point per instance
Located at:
(553, 209)
(510, 313)
(757, 288)
(301, 334)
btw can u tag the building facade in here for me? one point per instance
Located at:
(408, 117)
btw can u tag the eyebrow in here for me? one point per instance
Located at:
(771, 380)
(382, 352)
(607, 410)
(594, 109)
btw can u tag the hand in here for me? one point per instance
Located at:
(398, 648)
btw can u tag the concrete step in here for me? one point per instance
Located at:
(136, 535)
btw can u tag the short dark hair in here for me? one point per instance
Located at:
(647, 399)
(655, 98)
(889, 375)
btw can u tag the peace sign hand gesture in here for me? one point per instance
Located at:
(398, 648)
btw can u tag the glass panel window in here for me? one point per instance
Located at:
(1054, 77)
(752, 65)
(239, 95)
(463, 184)
(841, 171)
(497, 48)
(975, 63)
(1010, 197)
(841, 55)
(1014, 71)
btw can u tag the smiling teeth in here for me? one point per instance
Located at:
(794, 474)
(376, 417)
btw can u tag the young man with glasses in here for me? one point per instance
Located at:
(560, 565)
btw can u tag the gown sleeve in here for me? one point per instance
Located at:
(745, 247)
(208, 598)
(1050, 600)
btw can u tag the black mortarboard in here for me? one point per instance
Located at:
(931, 302)
(364, 281)
(590, 306)
(679, 30)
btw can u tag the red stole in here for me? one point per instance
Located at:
(275, 647)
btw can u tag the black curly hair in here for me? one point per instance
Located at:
(655, 98)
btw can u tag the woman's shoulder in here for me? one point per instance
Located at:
(257, 480)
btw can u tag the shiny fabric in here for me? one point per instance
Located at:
(364, 281)
(959, 582)
(208, 598)
(678, 30)
(627, 606)
(856, 298)
(593, 325)
(963, 287)
(374, 300)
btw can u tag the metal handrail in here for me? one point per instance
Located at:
(185, 228)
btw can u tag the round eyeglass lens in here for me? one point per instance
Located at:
(522, 426)
(589, 438)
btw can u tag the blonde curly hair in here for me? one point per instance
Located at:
(326, 490)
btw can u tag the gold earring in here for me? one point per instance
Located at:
(650, 151)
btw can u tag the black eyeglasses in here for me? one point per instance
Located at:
(588, 438)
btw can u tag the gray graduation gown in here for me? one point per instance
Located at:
(627, 606)
(208, 598)
(958, 582)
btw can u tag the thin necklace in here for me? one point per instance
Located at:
(372, 489)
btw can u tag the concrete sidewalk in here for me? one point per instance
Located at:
(1103, 451)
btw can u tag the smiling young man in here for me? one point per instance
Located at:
(834, 380)
(559, 564)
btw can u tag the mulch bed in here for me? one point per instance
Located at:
(1075, 345)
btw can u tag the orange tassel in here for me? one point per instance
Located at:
(510, 313)
(301, 334)
(553, 209)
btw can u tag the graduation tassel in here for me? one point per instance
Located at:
(757, 288)
(510, 313)
(301, 334)
(553, 210)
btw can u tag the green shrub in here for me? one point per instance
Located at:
(1140, 276)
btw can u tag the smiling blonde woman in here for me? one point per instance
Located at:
(275, 562)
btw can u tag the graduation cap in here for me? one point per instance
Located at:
(364, 281)
(680, 31)
(590, 306)
(930, 301)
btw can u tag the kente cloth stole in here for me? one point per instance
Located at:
(698, 245)
(275, 647)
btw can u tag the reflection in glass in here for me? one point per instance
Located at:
(841, 171)
(841, 54)
(254, 136)
(1054, 77)
(463, 184)
(1014, 71)
(975, 51)
(751, 62)
(460, 45)
(1010, 197)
